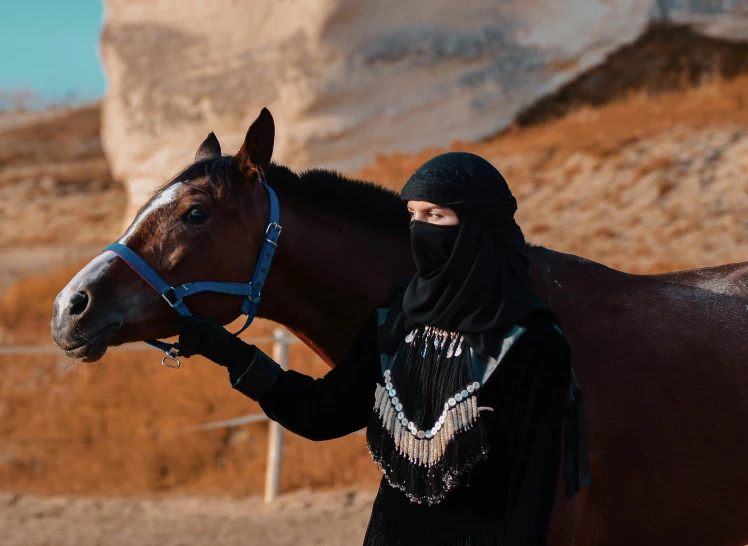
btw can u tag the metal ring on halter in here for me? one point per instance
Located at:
(171, 355)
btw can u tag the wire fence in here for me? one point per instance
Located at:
(281, 341)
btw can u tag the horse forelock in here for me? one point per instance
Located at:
(218, 173)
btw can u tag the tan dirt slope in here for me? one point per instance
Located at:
(58, 202)
(643, 184)
(55, 184)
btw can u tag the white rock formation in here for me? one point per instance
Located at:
(347, 79)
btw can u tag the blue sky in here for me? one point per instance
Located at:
(51, 47)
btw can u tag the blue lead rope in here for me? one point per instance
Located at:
(174, 295)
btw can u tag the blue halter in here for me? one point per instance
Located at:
(174, 295)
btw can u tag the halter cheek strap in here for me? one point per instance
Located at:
(174, 295)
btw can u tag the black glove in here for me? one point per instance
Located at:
(199, 336)
(251, 371)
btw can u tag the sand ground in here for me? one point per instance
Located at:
(334, 518)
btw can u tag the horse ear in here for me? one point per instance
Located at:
(257, 149)
(209, 149)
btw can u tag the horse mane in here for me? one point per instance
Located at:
(359, 201)
(356, 200)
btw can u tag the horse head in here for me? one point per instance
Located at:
(197, 226)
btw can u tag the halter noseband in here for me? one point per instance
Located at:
(174, 295)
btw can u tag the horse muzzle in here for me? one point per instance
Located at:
(79, 328)
(87, 348)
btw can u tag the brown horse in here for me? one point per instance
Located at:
(661, 358)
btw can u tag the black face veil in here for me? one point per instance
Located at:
(473, 278)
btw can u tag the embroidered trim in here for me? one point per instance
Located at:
(425, 447)
(425, 464)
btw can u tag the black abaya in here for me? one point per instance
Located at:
(507, 498)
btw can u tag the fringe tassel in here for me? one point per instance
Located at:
(426, 464)
(426, 468)
(425, 447)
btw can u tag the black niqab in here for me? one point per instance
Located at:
(483, 285)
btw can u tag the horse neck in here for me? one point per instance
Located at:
(329, 274)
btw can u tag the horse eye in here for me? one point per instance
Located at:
(196, 215)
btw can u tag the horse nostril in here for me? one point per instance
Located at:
(78, 303)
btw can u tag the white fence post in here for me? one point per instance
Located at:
(275, 438)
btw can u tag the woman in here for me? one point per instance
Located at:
(461, 379)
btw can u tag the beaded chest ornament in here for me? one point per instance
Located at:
(426, 463)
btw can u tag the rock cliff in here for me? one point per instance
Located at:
(349, 79)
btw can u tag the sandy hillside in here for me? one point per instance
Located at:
(57, 198)
(642, 184)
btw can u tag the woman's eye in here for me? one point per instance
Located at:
(196, 215)
(435, 216)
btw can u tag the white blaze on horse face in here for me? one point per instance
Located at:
(86, 276)
(161, 200)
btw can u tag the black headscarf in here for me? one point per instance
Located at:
(473, 278)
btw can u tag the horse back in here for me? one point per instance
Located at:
(661, 361)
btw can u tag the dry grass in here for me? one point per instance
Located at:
(664, 179)
(116, 416)
(55, 184)
(598, 132)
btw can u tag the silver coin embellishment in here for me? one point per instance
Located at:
(442, 418)
(392, 392)
(464, 393)
(404, 422)
(458, 397)
(410, 337)
(400, 416)
(399, 407)
(452, 402)
(476, 385)
(421, 434)
(387, 373)
(438, 426)
(470, 388)
(388, 386)
(395, 401)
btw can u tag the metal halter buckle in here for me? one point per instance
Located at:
(171, 292)
(172, 355)
(275, 226)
